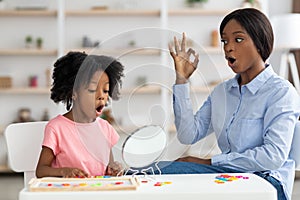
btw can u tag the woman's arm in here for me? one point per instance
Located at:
(195, 160)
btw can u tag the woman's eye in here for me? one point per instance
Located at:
(106, 91)
(224, 41)
(238, 40)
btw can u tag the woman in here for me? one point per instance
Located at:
(253, 114)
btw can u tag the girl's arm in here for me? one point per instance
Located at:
(114, 168)
(44, 168)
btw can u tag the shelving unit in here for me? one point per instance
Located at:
(25, 91)
(197, 12)
(150, 27)
(66, 19)
(28, 13)
(21, 63)
(111, 12)
(121, 51)
(5, 169)
(28, 52)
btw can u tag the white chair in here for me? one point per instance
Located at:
(295, 150)
(24, 144)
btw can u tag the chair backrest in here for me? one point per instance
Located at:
(295, 149)
(24, 144)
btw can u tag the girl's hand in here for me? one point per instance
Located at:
(183, 65)
(73, 173)
(114, 169)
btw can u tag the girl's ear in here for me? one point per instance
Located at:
(74, 96)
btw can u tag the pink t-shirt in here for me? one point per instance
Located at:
(86, 146)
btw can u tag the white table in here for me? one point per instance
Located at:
(200, 186)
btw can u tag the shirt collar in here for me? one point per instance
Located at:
(257, 82)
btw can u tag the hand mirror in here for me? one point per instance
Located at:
(144, 146)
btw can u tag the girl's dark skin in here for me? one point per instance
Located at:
(84, 83)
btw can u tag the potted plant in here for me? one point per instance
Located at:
(196, 3)
(251, 4)
(28, 41)
(39, 42)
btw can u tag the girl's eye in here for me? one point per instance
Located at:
(106, 91)
(224, 41)
(91, 91)
(238, 40)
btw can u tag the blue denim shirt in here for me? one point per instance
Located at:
(254, 124)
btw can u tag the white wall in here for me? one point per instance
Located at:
(277, 8)
(15, 31)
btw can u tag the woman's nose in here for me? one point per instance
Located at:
(228, 47)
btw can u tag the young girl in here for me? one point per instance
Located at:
(78, 143)
(253, 114)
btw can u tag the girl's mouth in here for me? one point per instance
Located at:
(99, 109)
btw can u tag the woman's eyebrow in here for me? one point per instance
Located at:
(235, 32)
(238, 32)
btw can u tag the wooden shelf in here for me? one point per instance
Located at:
(141, 51)
(109, 12)
(5, 169)
(25, 90)
(191, 11)
(201, 89)
(211, 50)
(22, 13)
(120, 52)
(151, 89)
(125, 129)
(28, 52)
(148, 89)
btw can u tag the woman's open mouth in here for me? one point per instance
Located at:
(231, 60)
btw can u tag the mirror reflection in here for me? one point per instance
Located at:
(144, 146)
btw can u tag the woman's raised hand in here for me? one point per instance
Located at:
(185, 61)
